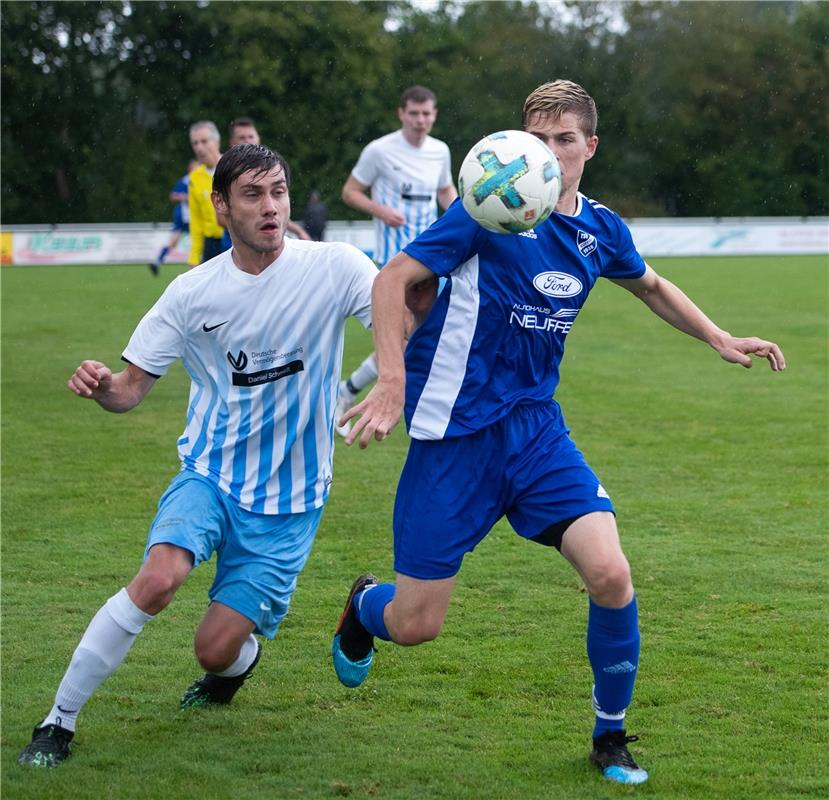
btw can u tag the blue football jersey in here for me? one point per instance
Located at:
(495, 336)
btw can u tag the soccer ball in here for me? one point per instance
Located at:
(509, 182)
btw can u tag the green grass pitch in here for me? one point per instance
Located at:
(719, 475)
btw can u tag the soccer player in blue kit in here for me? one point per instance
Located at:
(181, 217)
(488, 440)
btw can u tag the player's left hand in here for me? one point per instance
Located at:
(739, 351)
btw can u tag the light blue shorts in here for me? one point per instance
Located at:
(258, 556)
(452, 491)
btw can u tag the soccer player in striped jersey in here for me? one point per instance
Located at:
(409, 174)
(259, 329)
(487, 439)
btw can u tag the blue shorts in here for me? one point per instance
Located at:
(258, 556)
(452, 491)
(179, 223)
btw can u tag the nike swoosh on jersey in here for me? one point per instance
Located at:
(207, 328)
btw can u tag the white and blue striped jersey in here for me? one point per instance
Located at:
(496, 337)
(264, 354)
(407, 179)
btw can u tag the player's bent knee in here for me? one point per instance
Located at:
(153, 589)
(417, 631)
(611, 584)
(213, 657)
(159, 578)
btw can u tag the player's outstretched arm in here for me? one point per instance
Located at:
(382, 407)
(120, 392)
(671, 304)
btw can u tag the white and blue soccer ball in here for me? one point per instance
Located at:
(509, 182)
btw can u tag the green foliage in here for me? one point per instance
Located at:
(705, 108)
(733, 114)
(719, 479)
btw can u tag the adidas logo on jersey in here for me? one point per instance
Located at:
(529, 234)
(566, 313)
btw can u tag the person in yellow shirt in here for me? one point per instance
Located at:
(207, 236)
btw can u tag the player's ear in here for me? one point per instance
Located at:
(592, 144)
(218, 202)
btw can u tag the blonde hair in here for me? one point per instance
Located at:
(560, 97)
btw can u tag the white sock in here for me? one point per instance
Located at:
(364, 374)
(102, 648)
(245, 659)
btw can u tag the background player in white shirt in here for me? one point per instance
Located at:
(487, 438)
(409, 174)
(260, 331)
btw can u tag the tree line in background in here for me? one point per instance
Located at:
(705, 109)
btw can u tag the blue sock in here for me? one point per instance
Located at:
(370, 605)
(613, 650)
(162, 255)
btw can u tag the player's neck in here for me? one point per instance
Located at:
(568, 202)
(413, 139)
(252, 261)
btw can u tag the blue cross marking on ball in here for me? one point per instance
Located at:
(499, 179)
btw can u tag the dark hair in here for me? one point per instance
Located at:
(243, 158)
(240, 122)
(417, 94)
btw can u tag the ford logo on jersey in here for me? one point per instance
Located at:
(557, 284)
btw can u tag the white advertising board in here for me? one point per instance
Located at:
(140, 244)
(65, 246)
(730, 237)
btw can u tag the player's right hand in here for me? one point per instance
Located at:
(91, 379)
(392, 218)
